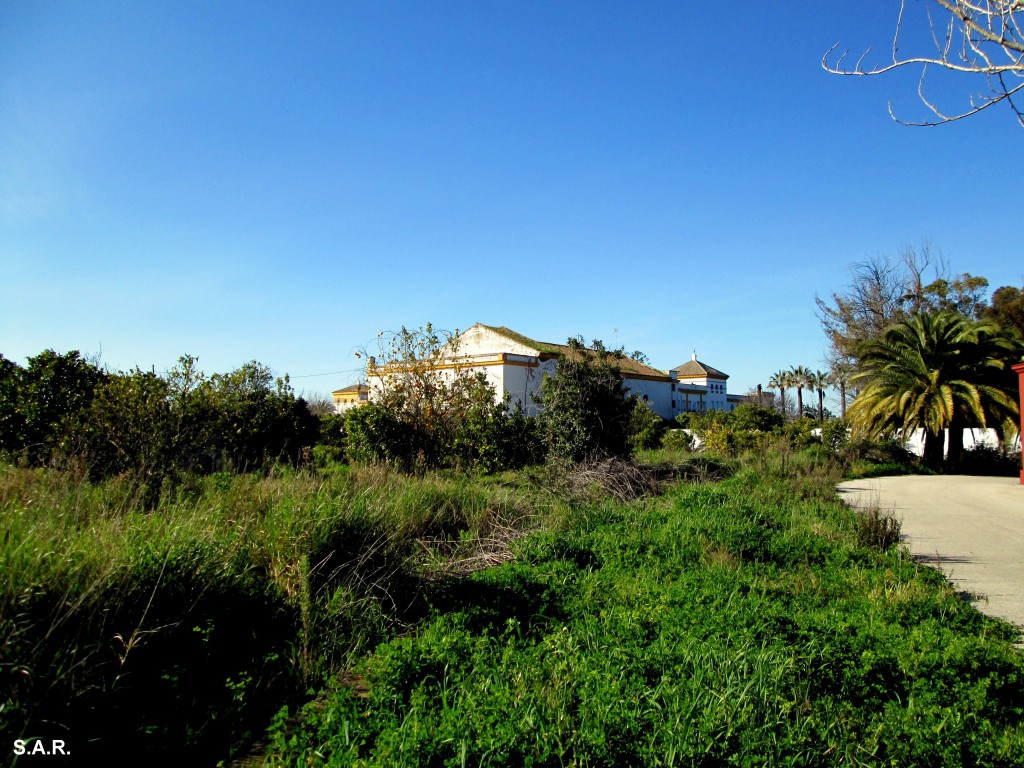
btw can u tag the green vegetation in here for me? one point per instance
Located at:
(754, 621)
(185, 556)
(586, 411)
(63, 411)
(434, 412)
(430, 411)
(937, 372)
(174, 632)
(685, 610)
(933, 355)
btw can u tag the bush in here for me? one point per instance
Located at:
(645, 426)
(987, 460)
(490, 439)
(485, 439)
(586, 411)
(880, 452)
(677, 440)
(750, 417)
(157, 429)
(375, 435)
(43, 404)
(835, 434)
(731, 433)
(800, 432)
(720, 438)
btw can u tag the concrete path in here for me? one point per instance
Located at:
(970, 528)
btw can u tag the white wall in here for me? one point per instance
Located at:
(658, 393)
(343, 407)
(522, 382)
(478, 340)
(972, 437)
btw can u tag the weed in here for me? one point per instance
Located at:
(877, 529)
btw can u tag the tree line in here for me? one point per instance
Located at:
(65, 411)
(917, 348)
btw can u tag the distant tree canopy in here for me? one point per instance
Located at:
(937, 371)
(1007, 309)
(887, 291)
(61, 409)
(884, 291)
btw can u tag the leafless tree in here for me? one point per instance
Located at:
(885, 290)
(318, 404)
(976, 37)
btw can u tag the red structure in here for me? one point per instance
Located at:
(1019, 370)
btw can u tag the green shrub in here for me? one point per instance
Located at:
(677, 439)
(984, 459)
(871, 458)
(63, 411)
(586, 411)
(645, 426)
(752, 418)
(800, 432)
(42, 405)
(490, 439)
(731, 433)
(720, 438)
(374, 434)
(835, 435)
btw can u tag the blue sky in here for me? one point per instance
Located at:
(281, 181)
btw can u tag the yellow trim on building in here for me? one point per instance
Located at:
(645, 377)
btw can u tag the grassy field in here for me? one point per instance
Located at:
(389, 620)
(177, 632)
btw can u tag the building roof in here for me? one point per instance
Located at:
(696, 369)
(627, 365)
(352, 390)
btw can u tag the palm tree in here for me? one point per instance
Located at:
(935, 372)
(781, 380)
(800, 377)
(820, 380)
(839, 375)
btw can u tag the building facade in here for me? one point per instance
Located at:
(347, 398)
(516, 365)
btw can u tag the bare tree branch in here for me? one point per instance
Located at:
(980, 37)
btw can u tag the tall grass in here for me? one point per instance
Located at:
(178, 630)
(750, 620)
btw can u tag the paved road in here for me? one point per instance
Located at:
(971, 528)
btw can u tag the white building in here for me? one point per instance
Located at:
(515, 365)
(347, 398)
